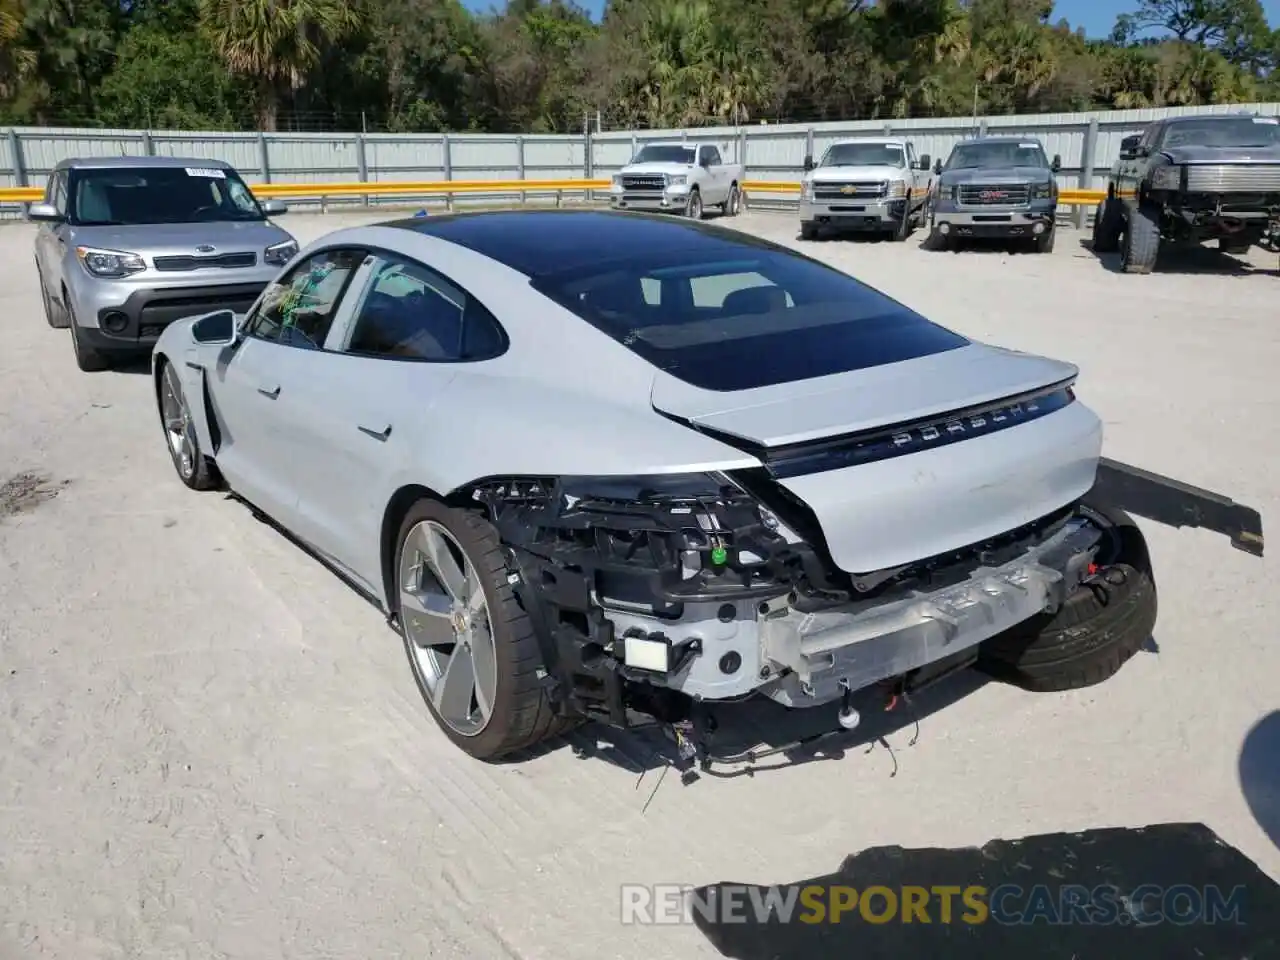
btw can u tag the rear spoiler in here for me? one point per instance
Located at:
(1177, 504)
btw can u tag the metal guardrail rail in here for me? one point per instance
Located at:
(448, 188)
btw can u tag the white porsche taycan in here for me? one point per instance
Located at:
(606, 465)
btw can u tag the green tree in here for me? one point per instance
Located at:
(276, 43)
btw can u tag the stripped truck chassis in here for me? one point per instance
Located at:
(822, 641)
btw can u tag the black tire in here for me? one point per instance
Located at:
(808, 231)
(902, 229)
(1234, 247)
(203, 473)
(694, 210)
(1141, 244)
(733, 205)
(522, 715)
(1044, 242)
(87, 359)
(936, 242)
(54, 315)
(1108, 225)
(1096, 631)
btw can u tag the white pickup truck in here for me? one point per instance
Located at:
(865, 184)
(688, 177)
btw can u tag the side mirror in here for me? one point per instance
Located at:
(937, 167)
(1057, 163)
(1129, 147)
(924, 161)
(274, 208)
(215, 329)
(808, 162)
(44, 213)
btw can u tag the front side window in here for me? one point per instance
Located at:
(863, 155)
(409, 312)
(298, 309)
(665, 153)
(127, 196)
(770, 317)
(1003, 154)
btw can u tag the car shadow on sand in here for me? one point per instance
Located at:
(1160, 892)
(1259, 772)
(1189, 261)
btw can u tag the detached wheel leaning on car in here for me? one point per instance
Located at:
(1097, 629)
(694, 210)
(470, 644)
(733, 205)
(194, 469)
(1108, 225)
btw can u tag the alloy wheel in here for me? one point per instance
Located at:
(445, 616)
(178, 427)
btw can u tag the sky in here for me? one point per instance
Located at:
(1096, 16)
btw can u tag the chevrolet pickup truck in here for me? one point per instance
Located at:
(681, 177)
(876, 185)
(995, 187)
(1185, 180)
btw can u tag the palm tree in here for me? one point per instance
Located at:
(15, 61)
(275, 43)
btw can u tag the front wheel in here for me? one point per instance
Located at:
(87, 359)
(194, 469)
(1044, 242)
(902, 229)
(1141, 245)
(470, 644)
(694, 210)
(1108, 224)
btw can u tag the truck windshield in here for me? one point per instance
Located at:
(723, 319)
(966, 156)
(863, 155)
(665, 153)
(1224, 132)
(143, 195)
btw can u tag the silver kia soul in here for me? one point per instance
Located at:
(127, 245)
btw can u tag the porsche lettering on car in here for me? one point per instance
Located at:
(606, 466)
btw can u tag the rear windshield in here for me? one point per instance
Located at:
(766, 318)
(128, 196)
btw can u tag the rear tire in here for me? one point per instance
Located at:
(1097, 629)
(519, 713)
(1108, 224)
(1141, 244)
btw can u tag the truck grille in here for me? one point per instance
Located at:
(855, 190)
(226, 260)
(1231, 178)
(994, 194)
(644, 182)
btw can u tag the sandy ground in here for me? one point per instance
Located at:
(212, 748)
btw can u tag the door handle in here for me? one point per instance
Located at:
(271, 392)
(376, 434)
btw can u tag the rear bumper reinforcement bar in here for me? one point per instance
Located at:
(1178, 504)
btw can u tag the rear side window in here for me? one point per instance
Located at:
(771, 317)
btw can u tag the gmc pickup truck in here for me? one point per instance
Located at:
(876, 185)
(679, 176)
(1185, 180)
(995, 187)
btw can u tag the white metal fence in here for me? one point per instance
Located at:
(1087, 142)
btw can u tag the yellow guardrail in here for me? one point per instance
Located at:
(448, 187)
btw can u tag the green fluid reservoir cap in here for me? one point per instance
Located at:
(719, 556)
